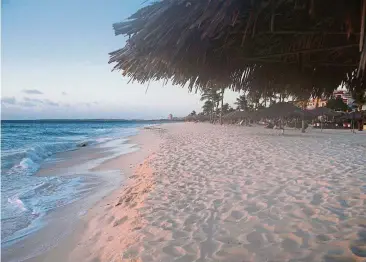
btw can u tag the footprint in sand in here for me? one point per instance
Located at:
(358, 249)
(174, 251)
(110, 219)
(362, 236)
(322, 238)
(120, 221)
(317, 199)
(237, 214)
(96, 236)
(289, 245)
(255, 238)
(337, 255)
(110, 238)
(96, 259)
(217, 202)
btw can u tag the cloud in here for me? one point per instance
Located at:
(41, 101)
(8, 100)
(34, 100)
(27, 104)
(50, 103)
(64, 93)
(32, 92)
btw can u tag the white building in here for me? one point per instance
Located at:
(346, 96)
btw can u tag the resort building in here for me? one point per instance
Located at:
(319, 102)
(346, 96)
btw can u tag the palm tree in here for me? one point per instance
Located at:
(214, 97)
(254, 98)
(360, 98)
(337, 104)
(207, 107)
(242, 103)
(222, 104)
(226, 108)
(193, 113)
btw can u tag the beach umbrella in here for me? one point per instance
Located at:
(200, 118)
(238, 115)
(283, 110)
(352, 116)
(324, 111)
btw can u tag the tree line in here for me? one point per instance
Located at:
(251, 102)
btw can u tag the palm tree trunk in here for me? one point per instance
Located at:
(303, 120)
(211, 113)
(222, 104)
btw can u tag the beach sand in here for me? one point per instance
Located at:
(64, 227)
(227, 193)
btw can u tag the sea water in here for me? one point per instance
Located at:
(25, 145)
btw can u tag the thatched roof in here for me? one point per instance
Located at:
(353, 116)
(235, 115)
(302, 45)
(283, 110)
(200, 118)
(324, 111)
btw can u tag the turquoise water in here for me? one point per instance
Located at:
(25, 197)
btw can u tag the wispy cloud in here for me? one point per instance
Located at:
(50, 103)
(34, 100)
(8, 100)
(40, 101)
(32, 92)
(27, 104)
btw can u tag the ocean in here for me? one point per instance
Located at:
(28, 145)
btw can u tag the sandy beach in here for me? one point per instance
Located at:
(227, 193)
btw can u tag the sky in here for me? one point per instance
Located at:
(55, 64)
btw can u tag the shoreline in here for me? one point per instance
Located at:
(122, 202)
(28, 249)
(200, 192)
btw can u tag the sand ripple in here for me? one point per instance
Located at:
(225, 193)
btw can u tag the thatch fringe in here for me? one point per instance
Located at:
(301, 47)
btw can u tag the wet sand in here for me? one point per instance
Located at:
(229, 193)
(101, 177)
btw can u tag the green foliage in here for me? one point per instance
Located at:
(193, 113)
(360, 98)
(337, 104)
(226, 108)
(211, 94)
(207, 107)
(242, 103)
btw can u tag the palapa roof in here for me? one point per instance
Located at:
(197, 118)
(238, 115)
(353, 116)
(283, 109)
(245, 44)
(324, 111)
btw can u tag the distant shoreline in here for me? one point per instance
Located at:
(90, 120)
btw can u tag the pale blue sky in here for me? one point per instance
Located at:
(54, 64)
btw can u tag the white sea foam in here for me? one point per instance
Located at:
(17, 202)
(26, 198)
